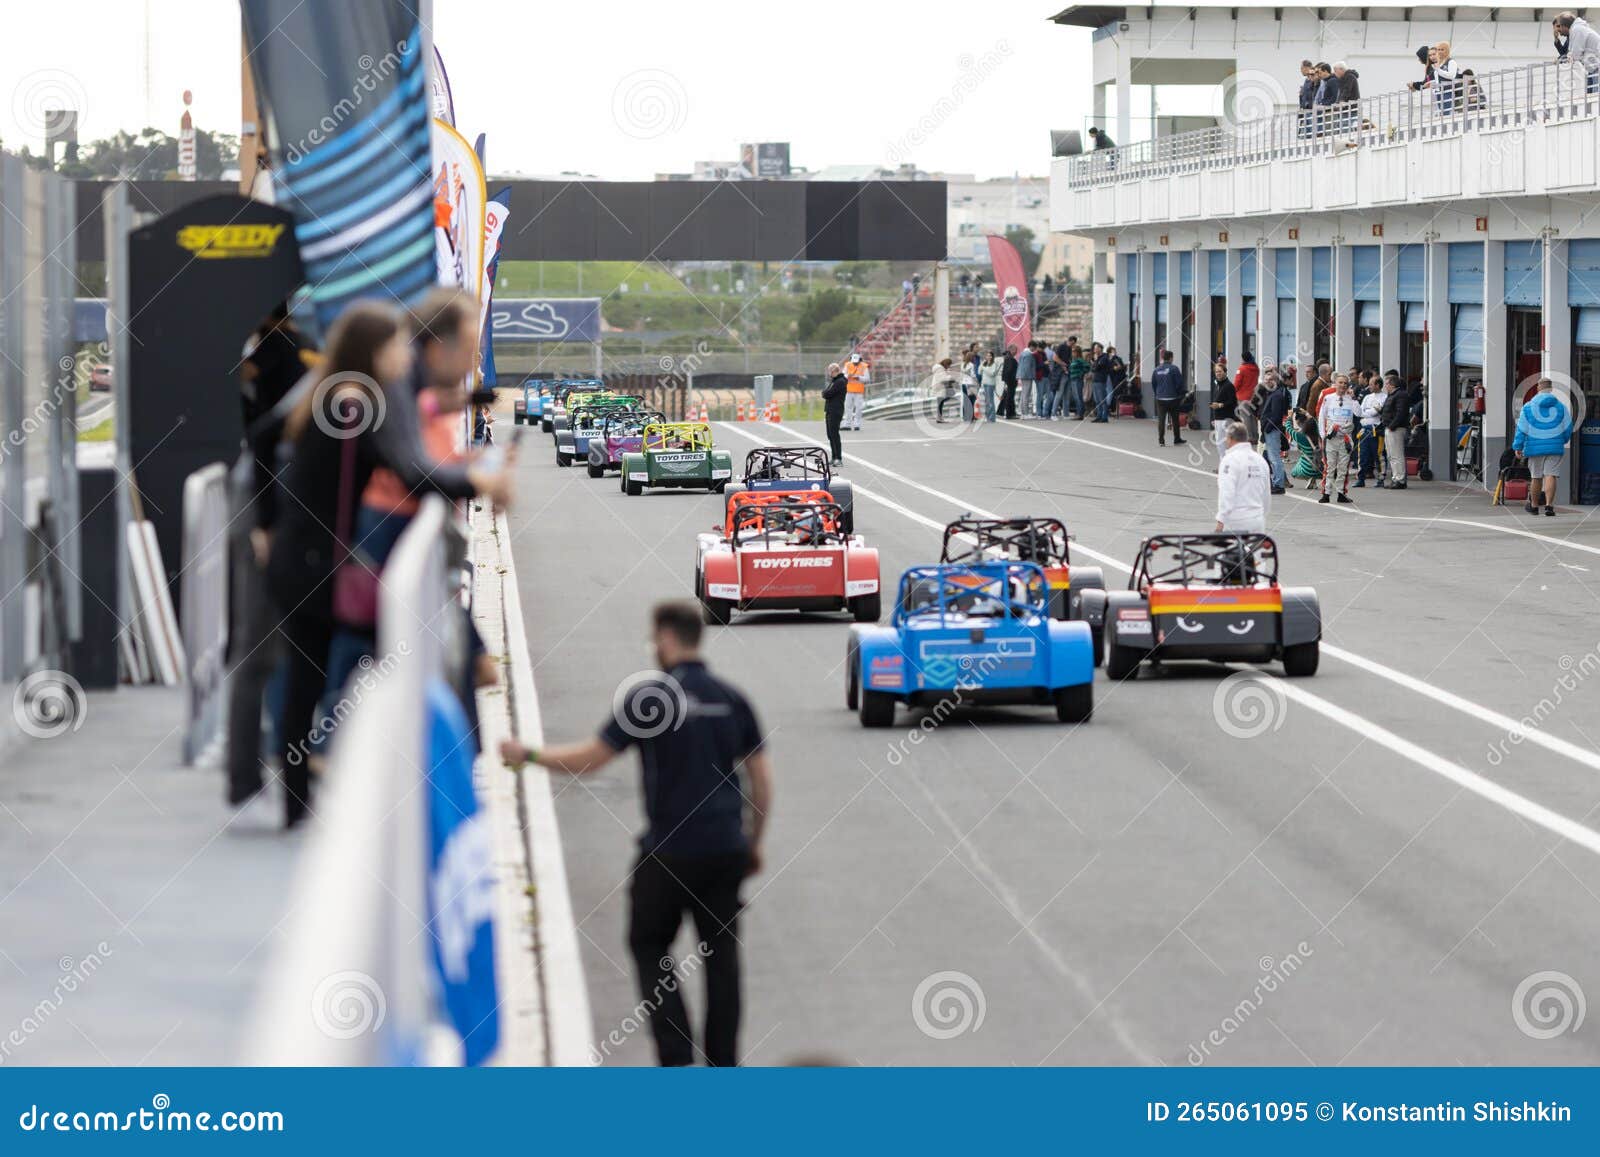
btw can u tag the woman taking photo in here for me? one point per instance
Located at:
(356, 417)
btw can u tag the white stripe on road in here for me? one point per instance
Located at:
(1468, 780)
(1548, 540)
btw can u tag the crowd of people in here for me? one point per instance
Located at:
(1039, 382)
(338, 457)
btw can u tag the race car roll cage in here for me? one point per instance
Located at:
(689, 436)
(642, 418)
(1240, 560)
(1016, 590)
(766, 464)
(1040, 540)
(757, 516)
(588, 409)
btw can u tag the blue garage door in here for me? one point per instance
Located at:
(1247, 272)
(1411, 276)
(1524, 273)
(1159, 266)
(1468, 347)
(1413, 317)
(1186, 274)
(1250, 315)
(1583, 272)
(1283, 269)
(1217, 272)
(1588, 328)
(1130, 264)
(1369, 315)
(1465, 261)
(1161, 310)
(1322, 272)
(1364, 264)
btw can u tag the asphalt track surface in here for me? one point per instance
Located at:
(1364, 867)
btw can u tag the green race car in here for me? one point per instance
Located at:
(679, 456)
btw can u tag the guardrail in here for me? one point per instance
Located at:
(355, 982)
(1511, 98)
(203, 602)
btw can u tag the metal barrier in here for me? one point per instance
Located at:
(353, 983)
(203, 607)
(1551, 92)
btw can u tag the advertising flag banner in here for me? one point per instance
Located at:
(442, 103)
(494, 223)
(1011, 283)
(351, 142)
(458, 210)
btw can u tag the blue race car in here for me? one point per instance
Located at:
(528, 408)
(553, 409)
(971, 634)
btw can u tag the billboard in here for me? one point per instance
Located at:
(767, 159)
(542, 319)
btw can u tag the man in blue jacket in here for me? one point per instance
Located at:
(1327, 97)
(1308, 95)
(1168, 386)
(1543, 430)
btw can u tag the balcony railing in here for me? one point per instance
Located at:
(1514, 98)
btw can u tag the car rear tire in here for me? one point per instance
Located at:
(544, 425)
(1300, 660)
(596, 470)
(867, 608)
(1121, 662)
(1074, 704)
(848, 522)
(632, 489)
(877, 709)
(1097, 636)
(563, 459)
(717, 612)
(852, 678)
(719, 487)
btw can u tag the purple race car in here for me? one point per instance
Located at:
(622, 433)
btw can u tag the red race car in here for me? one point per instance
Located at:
(784, 550)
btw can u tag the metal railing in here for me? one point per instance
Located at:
(355, 946)
(1551, 92)
(203, 601)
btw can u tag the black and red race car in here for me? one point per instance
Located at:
(1215, 597)
(1038, 540)
(785, 550)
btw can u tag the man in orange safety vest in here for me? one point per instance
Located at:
(857, 373)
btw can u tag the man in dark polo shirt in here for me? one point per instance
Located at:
(695, 734)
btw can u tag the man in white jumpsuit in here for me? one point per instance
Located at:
(1244, 484)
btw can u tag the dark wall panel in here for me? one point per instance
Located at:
(662, 220)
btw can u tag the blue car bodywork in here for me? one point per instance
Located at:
(971, 634)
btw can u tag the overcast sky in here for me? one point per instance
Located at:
(622, 88)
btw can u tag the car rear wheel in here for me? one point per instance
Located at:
(544, 425)
(848, 522)
(597, 470)
(719, 487)
(867, 608)
(877, 709)
(1075, 704)
(1121, 662)
(1300, 660)
(632, 489)
(563, 459)
(717, 612)
(1097, 640)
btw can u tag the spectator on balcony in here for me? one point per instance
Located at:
(989, 377)
(1472, 94)
(1425, 58)
(1446, 79)
(1327, 96)
(1308, 95)
(1576, 40)
(1101, 139)
(1349, 81)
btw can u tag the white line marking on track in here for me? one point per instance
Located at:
(1548, 540)
(1484, 788)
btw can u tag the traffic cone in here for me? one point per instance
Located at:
(705, 412)
(740, 414)
(773, 414)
